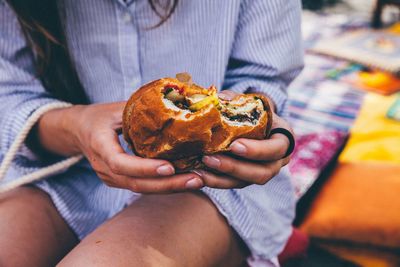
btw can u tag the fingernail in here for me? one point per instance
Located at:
(238, 148)
(225, 96)
(194, 183)
(165, 170)
(198, 172)
(212, 161)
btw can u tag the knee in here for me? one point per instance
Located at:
(96, 256)
(21, 194)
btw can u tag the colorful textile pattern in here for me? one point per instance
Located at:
(370, 47)
(322, 109)
(312, 153)
(322, 103)
(394, 111)
(318, 103)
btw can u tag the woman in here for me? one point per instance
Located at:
(114, 46)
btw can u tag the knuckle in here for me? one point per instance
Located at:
(134, 186)
(257, 150)
(210, 182)
(228, 166)
(107, 180)
(113, 164)
(96, 166)
(277, 170)
(264, 177)
(209, 179)
(285, 143)
(141, 170)
(173, 186)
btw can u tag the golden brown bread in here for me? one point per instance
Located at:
(156, 128)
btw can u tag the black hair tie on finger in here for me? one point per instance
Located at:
(289, 136)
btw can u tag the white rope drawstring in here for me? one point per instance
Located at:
(19, 140)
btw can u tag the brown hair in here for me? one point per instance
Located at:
(42, 28)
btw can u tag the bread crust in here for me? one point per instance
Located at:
(154, 130)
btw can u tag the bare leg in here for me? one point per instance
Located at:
(162, 230)
(32, 233)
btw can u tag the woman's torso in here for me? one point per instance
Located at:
(115, 50)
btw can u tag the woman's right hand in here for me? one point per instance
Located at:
(92, 130)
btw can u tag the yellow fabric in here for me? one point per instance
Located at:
(395, 28)
(373, 136)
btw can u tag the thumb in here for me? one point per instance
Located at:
(226, 95)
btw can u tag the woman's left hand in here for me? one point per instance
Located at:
(249, 161)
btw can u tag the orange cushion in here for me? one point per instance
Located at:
(360, 202)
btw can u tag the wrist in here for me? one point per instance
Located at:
(56, 131)
(70, 124)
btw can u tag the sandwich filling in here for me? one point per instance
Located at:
(190, 99)
(245, 110)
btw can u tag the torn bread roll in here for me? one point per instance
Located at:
(181, 121)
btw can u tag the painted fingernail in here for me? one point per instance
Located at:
(238, 148)
(194, 183)
(165, 170)
(211, 161)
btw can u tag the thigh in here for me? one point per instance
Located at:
(32, 233)
(182, 229)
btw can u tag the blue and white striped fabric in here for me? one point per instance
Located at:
(243, 45)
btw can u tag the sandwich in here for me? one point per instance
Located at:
(177, 120)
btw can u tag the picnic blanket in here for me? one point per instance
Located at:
(322, 109)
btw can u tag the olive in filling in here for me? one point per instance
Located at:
(243, 110)
(252, 118)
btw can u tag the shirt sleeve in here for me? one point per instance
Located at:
(267, 53)
(21, 93)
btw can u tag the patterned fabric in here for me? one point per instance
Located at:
(322, 109)
(243, 45)
(312, 153)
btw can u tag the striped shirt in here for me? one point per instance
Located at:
(241, 45)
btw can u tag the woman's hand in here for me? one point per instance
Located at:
(249, 161)
(92, 130)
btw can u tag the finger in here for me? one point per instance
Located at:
(220, 181)
(261, 150)
(258, 173)
(109, 181)
(107, 147)
(226, 95)
(285, 161)
(118, 110)
(278, 122)
(133, 166)
(176, 183)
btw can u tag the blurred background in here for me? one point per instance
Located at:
(345, 109)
